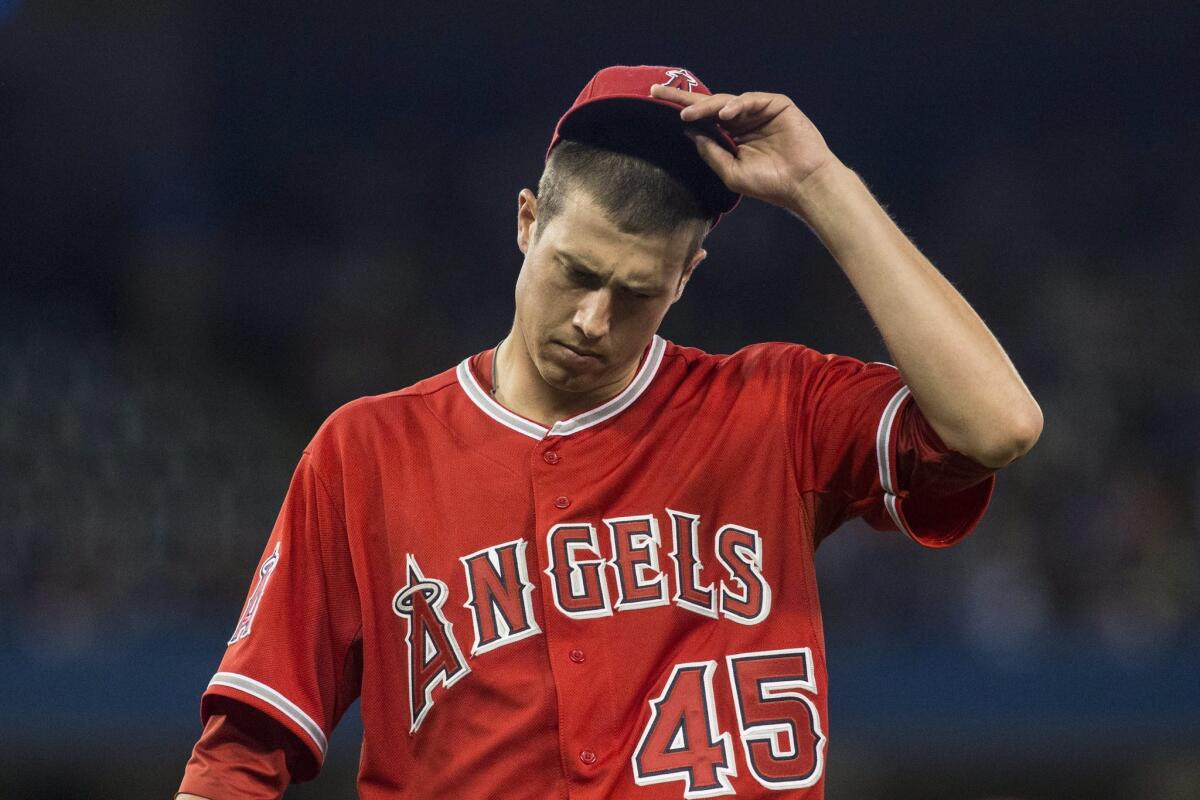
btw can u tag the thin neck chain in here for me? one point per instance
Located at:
(495, 378)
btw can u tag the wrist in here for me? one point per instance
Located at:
(818, 187)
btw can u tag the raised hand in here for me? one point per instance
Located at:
(778, 146)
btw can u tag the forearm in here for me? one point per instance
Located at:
(959, 375)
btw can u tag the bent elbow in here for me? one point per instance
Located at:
(1013, 439)
(1026, 431)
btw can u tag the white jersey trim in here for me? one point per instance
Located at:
(268, 695)
(602, 413)
(883, 451)
(483, 399)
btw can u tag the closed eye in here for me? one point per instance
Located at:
(640, 294)
(583, 278)
(590, 280)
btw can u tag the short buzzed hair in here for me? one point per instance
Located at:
(636, 195)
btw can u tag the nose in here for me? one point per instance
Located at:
(593, 314)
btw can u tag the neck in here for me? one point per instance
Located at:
(519, 386)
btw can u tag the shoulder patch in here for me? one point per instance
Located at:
(264, 575)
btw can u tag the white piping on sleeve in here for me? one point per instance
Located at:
(268, 695)
(883, 452)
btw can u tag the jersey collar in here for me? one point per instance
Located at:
(641, 381)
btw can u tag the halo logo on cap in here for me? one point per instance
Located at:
(680, 75)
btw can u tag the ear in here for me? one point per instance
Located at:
(526, 219)
(701, 254)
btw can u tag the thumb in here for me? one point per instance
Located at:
(717, 157)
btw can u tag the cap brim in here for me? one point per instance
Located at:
(650, 128)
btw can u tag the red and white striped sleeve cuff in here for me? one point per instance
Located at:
(885, 450)
(944, 518)
(273, 703)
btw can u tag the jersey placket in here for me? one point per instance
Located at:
(570, 543)
(576, 610)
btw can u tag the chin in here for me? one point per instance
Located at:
(564, 379)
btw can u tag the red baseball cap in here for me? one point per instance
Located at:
(616, 110)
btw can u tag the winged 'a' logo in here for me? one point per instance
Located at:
(687, 80)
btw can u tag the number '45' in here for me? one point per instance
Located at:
(778, 723)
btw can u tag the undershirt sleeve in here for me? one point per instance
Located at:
(933, 494)
(242, 753)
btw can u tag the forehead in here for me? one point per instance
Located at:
(581, 231)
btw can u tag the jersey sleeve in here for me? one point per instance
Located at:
(293, 654)
(864, 449)
(242, 753)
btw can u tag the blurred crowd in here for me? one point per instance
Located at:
(144, 466)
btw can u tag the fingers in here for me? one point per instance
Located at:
(740, 114)
(676, 95)
(737, 113)
(746, 105)
(707, 106)
(703, 102)
(720, 160)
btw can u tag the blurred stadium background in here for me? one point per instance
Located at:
(222, 221)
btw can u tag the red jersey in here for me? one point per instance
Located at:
(621, 605)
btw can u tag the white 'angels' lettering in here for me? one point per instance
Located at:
(740, 552)
(689, 592)
(500, 592)
(635, 543)
(577, 584)
(499, 595)
(433, 654)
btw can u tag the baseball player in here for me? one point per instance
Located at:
(580, 564)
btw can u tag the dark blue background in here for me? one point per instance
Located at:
(222, 221)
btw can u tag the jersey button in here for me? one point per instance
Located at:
(576, 655)
(562, 502)
(587, 757)
(550, 457)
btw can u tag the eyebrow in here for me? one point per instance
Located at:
(574, 261)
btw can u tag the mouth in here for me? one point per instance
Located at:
(580, 352)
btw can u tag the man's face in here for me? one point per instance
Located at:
(590, 296)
